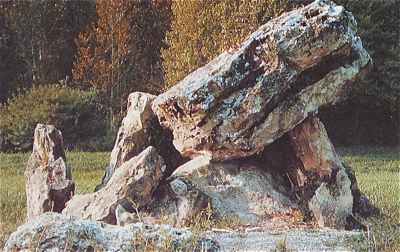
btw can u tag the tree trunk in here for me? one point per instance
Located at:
(112, 80)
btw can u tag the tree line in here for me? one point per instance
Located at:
(119, 46)
(112, 46)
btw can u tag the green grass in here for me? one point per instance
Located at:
(87, 170)
(378, 175)
(377, 171)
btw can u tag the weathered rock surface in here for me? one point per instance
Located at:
(332, 202)
(320, 174)
(247, 98)
(313, 148)
(133, 135)
(138, 130)
(49, 182)
(323, 187)
(132, 183)
(125, 217)
(314, 157)
(239, 191)
(179, 203)
(56, 232)
(291, 240)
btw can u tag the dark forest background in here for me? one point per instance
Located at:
(73, 63)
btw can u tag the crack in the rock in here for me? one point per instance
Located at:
(255, 71)
(310, 76)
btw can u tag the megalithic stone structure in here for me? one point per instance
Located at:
(248, 97)
(49, 182)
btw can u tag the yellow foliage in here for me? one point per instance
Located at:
(201, 30)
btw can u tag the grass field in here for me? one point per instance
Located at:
(88, 168)
(377, 170)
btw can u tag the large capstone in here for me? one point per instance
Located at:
(49, 182)
(250, 96)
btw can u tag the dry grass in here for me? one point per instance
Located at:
(378, 174)
(87, 172)
(377, 171)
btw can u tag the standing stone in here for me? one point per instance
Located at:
(252, 95)
(49, 182)
(132, 184)
(320, 174)
(133, 135)
(139, 129)
(332, 203)
(313, 149)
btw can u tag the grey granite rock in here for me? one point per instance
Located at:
(131, 184)
(49, 182)
(242, 191)
(55, 232)
(250, 96)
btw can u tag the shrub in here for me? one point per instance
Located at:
(72, 111)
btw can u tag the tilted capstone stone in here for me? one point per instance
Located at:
(248, 97)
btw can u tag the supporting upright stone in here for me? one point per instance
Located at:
(320, 175)
(139, 129)
(49, 182)
(133, 136)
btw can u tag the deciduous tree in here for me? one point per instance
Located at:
(44, 32)
(120, 53)
(201, 30)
